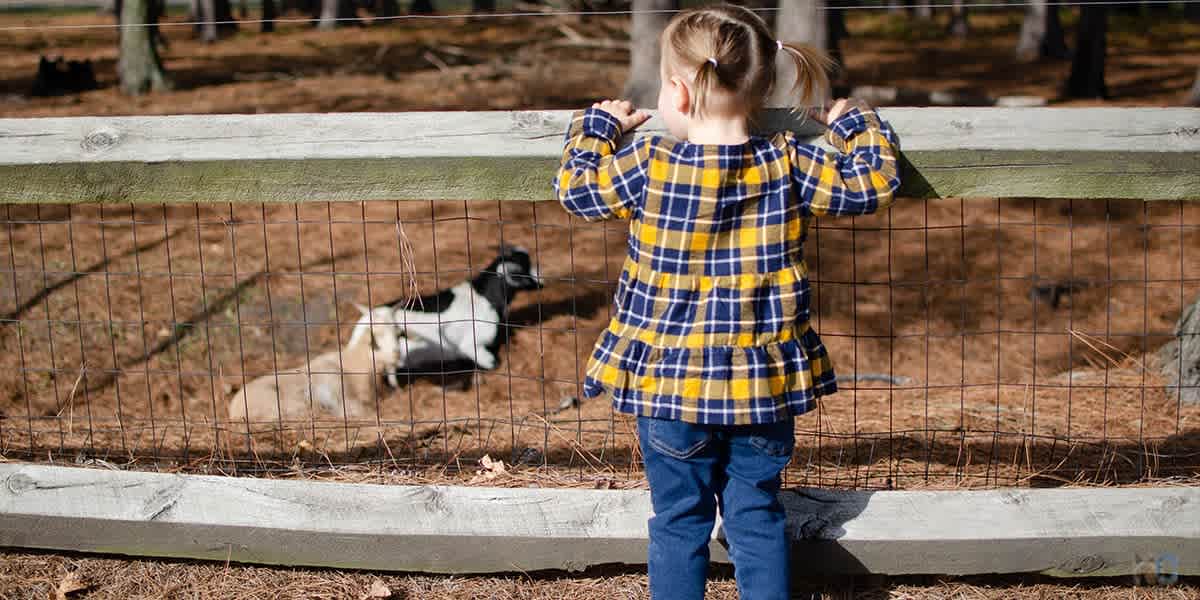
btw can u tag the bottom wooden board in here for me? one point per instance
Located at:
(1066, 532)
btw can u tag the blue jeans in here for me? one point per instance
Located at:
(694, 470)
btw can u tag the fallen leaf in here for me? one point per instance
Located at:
(491, 470)
(378, 590)
(70, 584)
(494, 467)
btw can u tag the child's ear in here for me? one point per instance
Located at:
(680, 95)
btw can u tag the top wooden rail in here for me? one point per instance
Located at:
(1141, 153)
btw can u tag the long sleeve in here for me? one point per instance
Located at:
(860, 178)
(595, 180)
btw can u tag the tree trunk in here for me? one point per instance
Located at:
(348, 9)
(1179, 359)
(958, 20)
(336, 12)
(1087, 68)
(1191, 11)
(139, 67)
(385, 10)
(642, 86)
(483, 6)
(329, 10)
(421, 7)
(1132, 9)
(801, 21)
(1193, 98)
(209, 13)
(764, 8)
(208, 10)
(1041, 33)
(835, 18)
(268, 16)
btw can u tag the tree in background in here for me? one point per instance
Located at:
(385, 9)
(809, 22)
(958, 19)
(922, 10)
(336, 12)
(1041, 33)
(214, 18)
(916, 8)
(1087, 67)
(268, 16)
(649, 20)
(139, 66)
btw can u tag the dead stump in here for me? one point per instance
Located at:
(1179, 359)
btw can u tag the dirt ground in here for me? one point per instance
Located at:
(36, 575)
(123, 331)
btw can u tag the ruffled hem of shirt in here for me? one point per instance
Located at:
(646, 380)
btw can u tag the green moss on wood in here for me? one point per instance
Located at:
(927, 174)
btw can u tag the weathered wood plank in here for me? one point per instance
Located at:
(1070, 532)
(1147, 153)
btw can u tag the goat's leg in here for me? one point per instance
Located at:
(480, 355)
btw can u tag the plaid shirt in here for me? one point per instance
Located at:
(712, 307)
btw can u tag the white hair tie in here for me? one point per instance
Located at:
(713, 61)
(778, 45)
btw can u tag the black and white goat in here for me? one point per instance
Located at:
(465, 322)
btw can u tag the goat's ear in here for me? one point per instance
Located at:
(362, 309)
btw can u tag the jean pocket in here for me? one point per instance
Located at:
(677, 439)
(776, 440)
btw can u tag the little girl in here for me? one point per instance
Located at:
(710, 344)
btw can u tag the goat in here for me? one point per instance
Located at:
(334, 382)
(464, 322)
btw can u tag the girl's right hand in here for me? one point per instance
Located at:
(623, 111)
(843, 106)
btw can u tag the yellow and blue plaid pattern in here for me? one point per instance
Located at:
(712, 307)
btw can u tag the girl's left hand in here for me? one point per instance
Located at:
(623, 111)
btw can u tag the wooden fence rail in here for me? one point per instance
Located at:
(1143, 153)
(1064, 532)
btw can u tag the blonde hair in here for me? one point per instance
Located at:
(731, 49)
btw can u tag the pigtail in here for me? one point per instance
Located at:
(812, 72)
(706, 78)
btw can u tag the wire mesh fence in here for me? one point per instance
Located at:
(979, 343)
